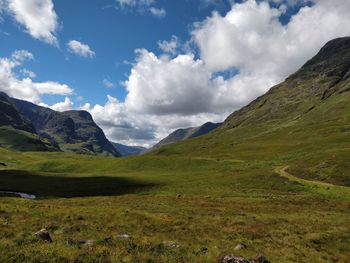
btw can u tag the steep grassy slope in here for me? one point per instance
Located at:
(304, 121)
(73, 131)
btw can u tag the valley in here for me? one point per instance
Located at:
(272, 180)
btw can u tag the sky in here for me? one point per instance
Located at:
(144, 68)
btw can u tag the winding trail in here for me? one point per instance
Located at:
(327, 189)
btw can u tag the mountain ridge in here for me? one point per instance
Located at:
(186, 133)
(74, 131)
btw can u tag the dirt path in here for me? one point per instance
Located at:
(327, 189)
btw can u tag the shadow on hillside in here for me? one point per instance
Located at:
(51, 186)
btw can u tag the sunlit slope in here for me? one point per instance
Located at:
(304, 121)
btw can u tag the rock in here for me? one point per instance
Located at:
(171, 244)
(260, 259)
(107, 239)
(89, 243)
(237, 259)
(123, 236)
(240, 246)
(233, 259)
(43, 235)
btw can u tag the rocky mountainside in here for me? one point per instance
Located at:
(126, 150)
(185, 134)
(17, 132)
(72, 131)
(304, 121)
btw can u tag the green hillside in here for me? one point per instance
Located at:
(304, 121)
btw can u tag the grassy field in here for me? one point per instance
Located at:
(87, 202)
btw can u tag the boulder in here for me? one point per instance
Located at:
(123, 236)
(43, 235)
(240, 246)
(237, 259)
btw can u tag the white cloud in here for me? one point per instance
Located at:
(169, 86)
(25, 88)
(38, 17)
(134, 3)
(66, 105)
(108, 84)
(167, 93)
(142, 6)
(28, 73)
(80, 49)
(157, 12)
(169, 46)
(133, 128)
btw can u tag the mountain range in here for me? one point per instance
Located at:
(26, 126)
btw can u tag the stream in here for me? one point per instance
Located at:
(22, 195)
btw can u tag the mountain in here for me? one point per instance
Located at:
(125, 150)
(304, 122)
(185, 134)
(17, 132)
(72, 131)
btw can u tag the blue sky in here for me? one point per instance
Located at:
(113, 33)
(143, 68)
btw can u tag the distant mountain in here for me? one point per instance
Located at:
(184, 134)
(72, 131)
(125, 150)
(17, 132)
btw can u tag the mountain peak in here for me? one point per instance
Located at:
(333, 60)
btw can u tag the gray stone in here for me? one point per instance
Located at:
(43, 235)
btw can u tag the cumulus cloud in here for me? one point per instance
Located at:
(80, 49)
(65, 105)
(165, 93)
(169, 46)
(38, 17)
(134, 128)
(25, 88)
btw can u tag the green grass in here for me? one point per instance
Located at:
(22, 140)
(223, 202)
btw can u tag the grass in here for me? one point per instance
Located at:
(223, 202)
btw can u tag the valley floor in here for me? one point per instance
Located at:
(166, 209)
